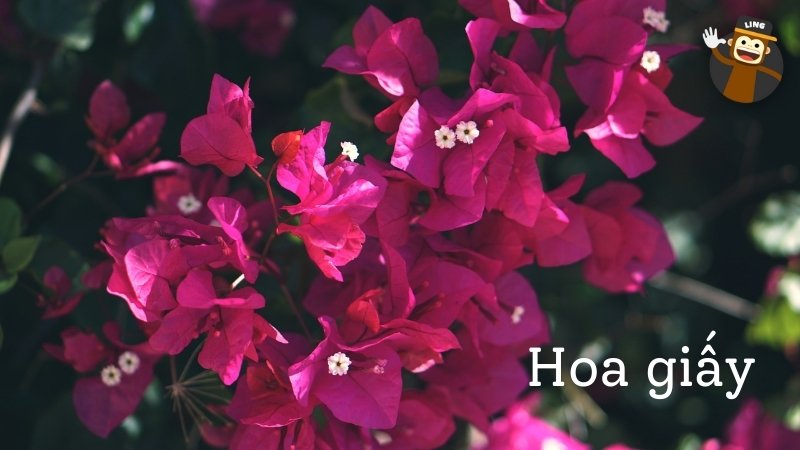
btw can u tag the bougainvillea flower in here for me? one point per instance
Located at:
(658, 71)
(517, 319)
(186, 191)
(517, 15)
(232, 328)
(334, 200)
(117, 375)
(560, 236)
(97, 276)
(477, 384)
(131, 155)
(59, 299)
(755, 429)
(360, 383)
(338, 435)
(518, 429)
(424, 422)
(640, 109)
(619, 18)
(629, 246)
(378, 267)
(441, 288)
(264, 397)
(498, 239)
(396, 58)
(83, 351)
(262, 25)
(418, 153)
(597, 78)
(153, 254)
(295, 436)
(231, 100)
(108, 111)
(222, 137)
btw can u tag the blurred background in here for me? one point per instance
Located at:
(729, 195)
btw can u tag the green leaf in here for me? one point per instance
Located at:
(10, 220)
(776, 226)
(789, 27)
(777, 325)
(7, 282)
(70, 22)
(138, 17)
(18, 253)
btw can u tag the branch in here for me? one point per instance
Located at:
(21, 109)
(706, 295)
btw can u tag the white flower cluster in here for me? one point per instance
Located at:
(127, 363)
(465, 132)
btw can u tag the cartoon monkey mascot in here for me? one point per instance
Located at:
(751, 44)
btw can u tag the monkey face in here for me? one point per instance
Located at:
(748, 50)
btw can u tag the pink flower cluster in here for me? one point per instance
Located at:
(262, 25)
(422, 313)
(755, 429)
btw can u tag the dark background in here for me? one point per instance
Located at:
(707, 188)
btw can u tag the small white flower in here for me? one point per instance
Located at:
(189, 204)
(663, 25)
(445, 137)
(467, 132)
(656, 19)
(651, 16)
(129, 363)
(516, 315)
(651, 61)
(111, 375)
(350, 150)
(338, 364)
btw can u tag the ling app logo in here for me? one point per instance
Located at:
(747, 65)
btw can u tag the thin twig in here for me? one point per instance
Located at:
(745, 186)
(21, 109)
(89, 171)
(295, 310)
(706, 295)
(268, 185)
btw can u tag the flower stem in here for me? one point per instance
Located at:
(63, 187)
(295, 310)
(270, 192)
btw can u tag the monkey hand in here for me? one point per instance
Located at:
(711, 39)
